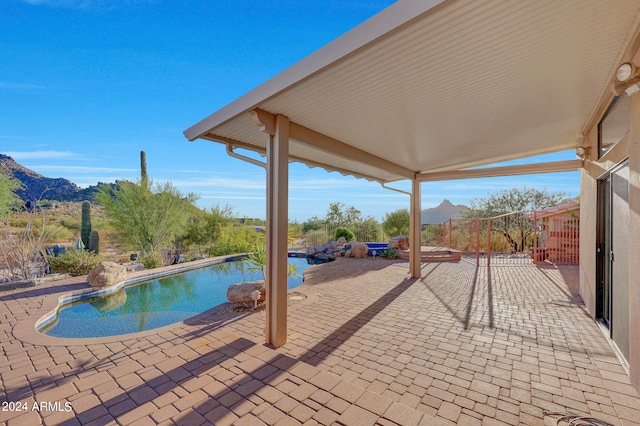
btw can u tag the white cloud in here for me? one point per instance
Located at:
(83, 169)
(85, 4)
(220, 182)
(21, 87)
(42, 155)
(230, 197)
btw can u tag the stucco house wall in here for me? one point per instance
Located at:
(588, 200)
(628, 147)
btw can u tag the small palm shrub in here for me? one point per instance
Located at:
(75, 262)
(258, 262)
(346, 233)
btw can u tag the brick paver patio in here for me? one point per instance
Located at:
(368, 345)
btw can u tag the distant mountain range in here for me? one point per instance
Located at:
(37, 187)
(445, 211)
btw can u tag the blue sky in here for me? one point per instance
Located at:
(85, 85)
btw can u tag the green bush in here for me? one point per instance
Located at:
(346, 233)
(70, 224)
(75, 262)
(235, 239)
(397, 223)
(58, 233)
(388, 254)
(151, 260)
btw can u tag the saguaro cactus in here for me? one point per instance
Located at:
(85, 230)
(144, 178)
(94, 242)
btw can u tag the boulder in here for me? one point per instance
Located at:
(107, 274)
(135, 267)
(325, 257)
(359, 250)
(399, 242)
(341, 241)
(241, 292)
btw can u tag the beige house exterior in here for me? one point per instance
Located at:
(559, 232)
(428, 89)
(610, 226)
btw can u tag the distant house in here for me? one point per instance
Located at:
(260, 229)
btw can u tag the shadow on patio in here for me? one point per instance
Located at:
(462, 344)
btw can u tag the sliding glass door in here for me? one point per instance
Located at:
(613, 262)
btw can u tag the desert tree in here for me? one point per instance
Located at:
(396, 222)
(205, 228)
(339, 214)
(515, 228)
(146, 215)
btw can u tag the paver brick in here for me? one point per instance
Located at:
(355, 415)
(403, 415)
(271, 415)
(325, 416)
(373, 402)
(347, 391)
(346, 356)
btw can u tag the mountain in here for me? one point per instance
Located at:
(445, 211)
(36, 186)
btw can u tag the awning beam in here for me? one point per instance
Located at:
(524, 169)
(325, 143)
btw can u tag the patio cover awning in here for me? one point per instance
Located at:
(424, 89)
(428, 86)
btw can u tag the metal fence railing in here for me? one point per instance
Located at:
(514, 238)
(327, 234)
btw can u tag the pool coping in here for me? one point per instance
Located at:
(26, 330)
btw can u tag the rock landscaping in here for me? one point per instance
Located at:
(107, 274)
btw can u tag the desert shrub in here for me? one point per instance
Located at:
(316, 237)
(431, 235)
(75, 262)
(235, 239)
(346, 233)
(151, 260)
(73, 225)
(57, 233)
(21, 222)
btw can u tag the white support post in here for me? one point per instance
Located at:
(415, 224)
(277, 224)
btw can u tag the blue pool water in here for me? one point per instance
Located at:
(155, 303)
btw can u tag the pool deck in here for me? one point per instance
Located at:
(368, 345)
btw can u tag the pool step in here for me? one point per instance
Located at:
(444, 255)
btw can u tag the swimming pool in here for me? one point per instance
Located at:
(154, 303)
